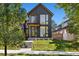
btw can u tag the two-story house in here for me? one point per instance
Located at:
(39, 22)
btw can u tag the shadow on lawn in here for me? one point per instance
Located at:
(62, 45)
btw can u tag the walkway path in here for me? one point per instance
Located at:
(29, 51)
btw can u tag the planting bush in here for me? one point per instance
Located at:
(43, 45)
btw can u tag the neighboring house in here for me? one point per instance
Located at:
(61, 32)
(39, 22)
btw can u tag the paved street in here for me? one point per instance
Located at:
(29, 51)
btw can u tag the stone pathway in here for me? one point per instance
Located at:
(29, 51)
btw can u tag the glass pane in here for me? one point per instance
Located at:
(42, 19)
(46, 22)
(32, 19)
(34, 31)
(47, 35)
(46, 29)
(46, 17)
(42, 31)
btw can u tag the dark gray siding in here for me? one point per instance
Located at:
(39, 11)
(49, 26)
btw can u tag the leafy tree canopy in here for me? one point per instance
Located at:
(72, 11)
(11, 18)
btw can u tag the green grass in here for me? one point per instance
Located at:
(42, 55)
(43, 45)
(55, 45)
(21, 54)
(9, 47)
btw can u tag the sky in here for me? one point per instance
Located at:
(59, 13)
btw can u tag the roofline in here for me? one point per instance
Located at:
(62, 23)
(60, 29)
(61, 26)
(37, 6)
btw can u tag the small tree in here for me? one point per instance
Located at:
(11, 17)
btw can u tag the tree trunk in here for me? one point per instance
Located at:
(7, 17)
(5, 50)
(5, 47)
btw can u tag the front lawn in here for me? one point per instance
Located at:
(43, 45)
(9, 47)
(55, 45)
(21, 54)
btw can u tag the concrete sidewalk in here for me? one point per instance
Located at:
(29, 51)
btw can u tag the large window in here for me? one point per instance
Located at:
(43, 31)
(43, 19)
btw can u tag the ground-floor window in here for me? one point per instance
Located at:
(43, 31)
(46, 31)
(33, 31)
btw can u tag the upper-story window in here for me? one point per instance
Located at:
(46, 19)
(43, 19)
(32, 19)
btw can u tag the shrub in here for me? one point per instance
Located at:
(43, 45)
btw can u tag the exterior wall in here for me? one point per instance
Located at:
(67, 36)
(57, 35)
(63, 34)
(37, 13)
(50, 26)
